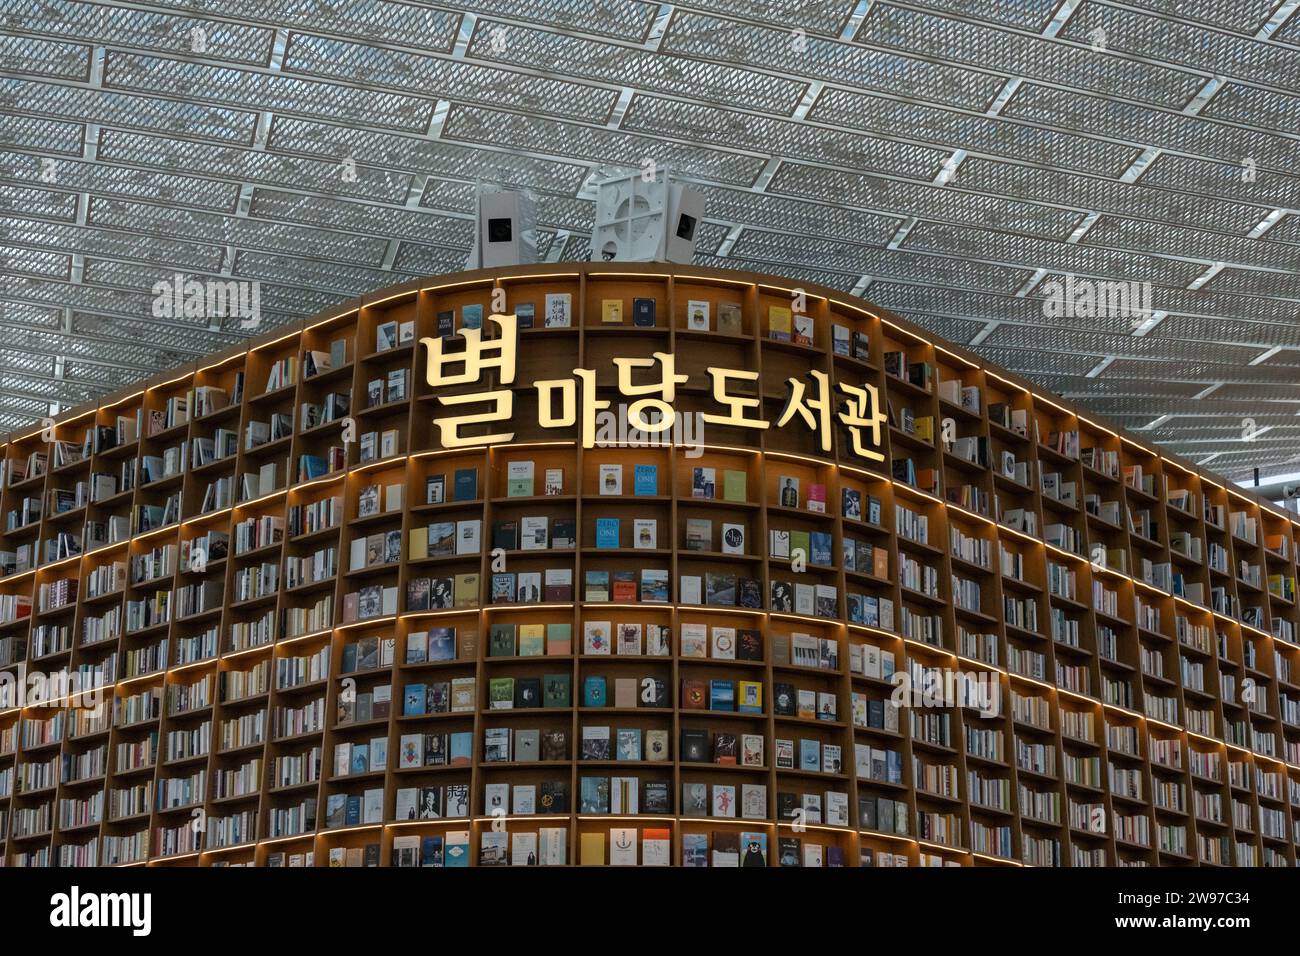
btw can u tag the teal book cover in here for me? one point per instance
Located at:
(722, 695)
(607, 532)
(593, 692)
(466, 486)
(457, 849)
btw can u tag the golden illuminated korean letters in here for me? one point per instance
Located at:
(565, 402)
(477, 356)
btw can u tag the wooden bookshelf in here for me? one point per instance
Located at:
(1119, 624)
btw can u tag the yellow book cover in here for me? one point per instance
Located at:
(733, 486)
(749, 697)
(593, 849)
(466, 593)
(419, 543)
(532, 640)
(778, 323)
(611, 311)
(925, 428)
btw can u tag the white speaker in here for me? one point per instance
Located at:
(685, 212)
(630, 216)
(506, 233)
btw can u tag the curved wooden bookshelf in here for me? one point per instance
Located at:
(1137, 636)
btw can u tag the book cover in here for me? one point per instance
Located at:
(643, 313)
(645, 480)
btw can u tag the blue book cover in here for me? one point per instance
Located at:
(695, 849)
(810, 755)
(413, 700)
(593, 692)
(431, 851)
(462, 747)
(466, 486)
(645, 480)
(442, 643)
(360, 758)
(353, 816)
(819, 544)
(471, 317)
(607, 532)
(643, 313)
(722, 695)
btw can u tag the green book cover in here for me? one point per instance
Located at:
(733, 486)
(519, 479)
(556, 689)
(502, 641)
(501, 693)
(799, 539)
(532, 640)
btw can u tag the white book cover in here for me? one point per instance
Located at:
(697, 315)
(611, 479)
(496, 798)
(411, 751)
(657, 640)
(553, 846)
(871, 662)
(408, 800)
(523, 849)
(733, 538)
(523, 799)
(373, 803)
(694, 640)
(559, 310)
(519, 479)
(690, 589)
(724, 800)
(596, 637)
(780, 547)
(624, 795)
(804, 599)
(467, 536)
(622, 846)
(645, 533)
(533, 533)
(724, 643)
(655, 852)
(837, 808)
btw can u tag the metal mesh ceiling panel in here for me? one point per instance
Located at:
(949, 159)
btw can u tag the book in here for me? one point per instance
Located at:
(697, 315)
(519, 479)
(607, 532)
(611, 479)
(643, 313)
(730, 320)
(645, 480)
(559, 310)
